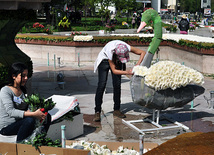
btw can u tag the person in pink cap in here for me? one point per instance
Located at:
(113, 56)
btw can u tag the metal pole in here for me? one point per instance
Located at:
(79, 59)
(54, 61)
(192, 105)
(48, 59)
(158, 116)
(141, 142)
(63, 135)
(153, 115)
(58, 59)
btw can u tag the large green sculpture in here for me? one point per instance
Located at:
(148, 16)
(149, 97)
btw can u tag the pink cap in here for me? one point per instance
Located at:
(122, 52)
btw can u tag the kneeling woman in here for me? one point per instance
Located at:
(15, 118)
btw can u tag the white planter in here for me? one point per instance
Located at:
(73, 128)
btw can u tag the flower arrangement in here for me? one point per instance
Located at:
(37, 25)
(125, 24)
(47, 30)
(171, 27)
(83, 38)
(191, 27)
(196, 24)
(96, 149)
(78, 33)
(64, 24)
(168, 74)
(35, 102)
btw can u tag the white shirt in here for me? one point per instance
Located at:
(107, 52)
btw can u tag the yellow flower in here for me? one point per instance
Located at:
(124, 23)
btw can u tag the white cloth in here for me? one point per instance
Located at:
(107, 52)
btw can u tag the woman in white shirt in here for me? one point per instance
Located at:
(113, 57)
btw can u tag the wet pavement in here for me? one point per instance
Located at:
(81, 82)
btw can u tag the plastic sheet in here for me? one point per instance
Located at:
(162, 99)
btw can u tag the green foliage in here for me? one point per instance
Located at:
(69, 115)
(171, 27)
(110, 28)
(35, 102)
(64, 24)
(198, 45)
(92, 28)
(211, 75)
(42, 140)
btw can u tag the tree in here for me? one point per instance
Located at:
(126, 6)
(190, 5)
(103, 10)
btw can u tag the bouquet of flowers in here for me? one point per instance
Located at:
(35, 102)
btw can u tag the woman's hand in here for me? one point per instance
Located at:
(129, 72)
(39, 114)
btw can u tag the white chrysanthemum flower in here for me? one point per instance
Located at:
(120, 149)
(96, 149)
(114, 152)
(83, 38)
(168, 74)
(140, 70)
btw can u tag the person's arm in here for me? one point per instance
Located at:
(117, 71)
(38, 114)
(138, 52)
